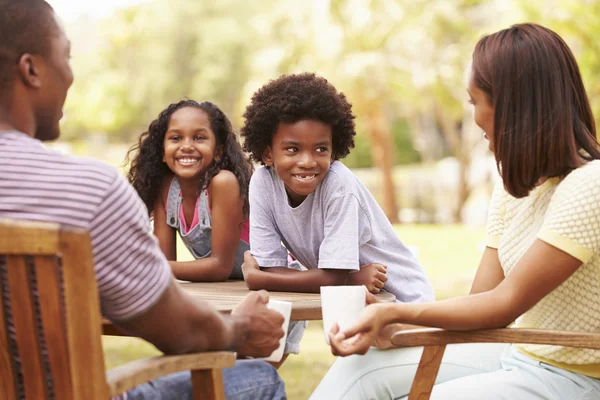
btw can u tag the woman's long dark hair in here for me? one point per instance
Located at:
(543, 123)
(148, 171)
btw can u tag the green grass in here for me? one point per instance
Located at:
(449, 253)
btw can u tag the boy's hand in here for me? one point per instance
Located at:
(258, 329)
(373, 276)
(250, 266)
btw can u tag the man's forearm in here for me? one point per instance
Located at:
(179, 324)
(292, 280)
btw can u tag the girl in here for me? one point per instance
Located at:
(193, 176)
(541, 267)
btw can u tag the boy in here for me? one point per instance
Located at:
(299, 126)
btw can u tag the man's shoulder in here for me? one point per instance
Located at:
(18, 148)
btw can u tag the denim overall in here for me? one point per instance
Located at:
(199, 239)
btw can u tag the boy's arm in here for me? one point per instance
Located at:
(290, 280)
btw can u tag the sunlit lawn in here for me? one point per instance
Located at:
(450, 255)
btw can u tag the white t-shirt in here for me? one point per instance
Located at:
(339, 226)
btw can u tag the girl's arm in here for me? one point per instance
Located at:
(541, 270)
(165, 234)
(227, 219)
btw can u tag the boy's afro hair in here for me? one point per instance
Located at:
(293, 98)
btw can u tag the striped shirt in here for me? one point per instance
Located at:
(39, 184)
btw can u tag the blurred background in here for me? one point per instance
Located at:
(401, 63)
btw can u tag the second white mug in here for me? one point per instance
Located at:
(341, 304)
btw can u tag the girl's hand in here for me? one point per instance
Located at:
(358, 338)
(372, 276)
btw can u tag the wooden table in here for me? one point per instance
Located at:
(225, 296)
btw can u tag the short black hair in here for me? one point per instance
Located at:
(292, 98)
(25, 27)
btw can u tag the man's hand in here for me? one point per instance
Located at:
(373, 276)
(257, 329)
(249, 267)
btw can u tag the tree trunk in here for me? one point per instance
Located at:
(382, 153)
(460, 148)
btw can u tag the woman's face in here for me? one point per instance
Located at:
(483, 112)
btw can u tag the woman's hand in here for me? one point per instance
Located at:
(372, 276)
(365, 333)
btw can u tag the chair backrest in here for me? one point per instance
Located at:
(50, 338)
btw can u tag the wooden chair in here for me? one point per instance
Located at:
(49, 292)
(435, 341)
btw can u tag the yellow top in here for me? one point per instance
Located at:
(566, 215)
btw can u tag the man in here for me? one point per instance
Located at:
(137, 291)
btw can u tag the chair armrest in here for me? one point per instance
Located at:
(130, 375)
(436, 337)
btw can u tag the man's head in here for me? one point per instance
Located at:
(34, 68)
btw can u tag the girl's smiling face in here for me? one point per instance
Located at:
(301, 154)
(189, 143)
(483, 111)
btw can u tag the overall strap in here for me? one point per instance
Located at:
(204, 216)
(173, 204)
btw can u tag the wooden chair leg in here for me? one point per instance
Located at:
(208, 384)
(427, 372)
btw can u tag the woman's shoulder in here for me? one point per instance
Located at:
(586, 175)
(582, 184)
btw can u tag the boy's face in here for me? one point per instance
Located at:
(301, 155)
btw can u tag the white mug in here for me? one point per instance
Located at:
(285, 309)
(341, 304)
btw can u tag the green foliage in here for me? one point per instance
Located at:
(360, 156)
(406, 56)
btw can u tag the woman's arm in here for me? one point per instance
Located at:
(165, 234)
(227, 219)
(489, 273)
(541, 270)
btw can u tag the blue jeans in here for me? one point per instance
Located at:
(248, 379)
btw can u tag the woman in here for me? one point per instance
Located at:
(541, 266)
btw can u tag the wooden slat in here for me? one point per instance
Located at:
(429, 337)
(86, 359)
(53, 322)
(24, 237)
(130, 375)
(208, 384)
(19, 282)
(8, 383)
(429, 366)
